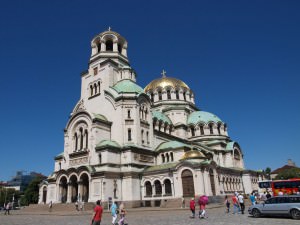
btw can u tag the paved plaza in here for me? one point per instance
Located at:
(141, 217)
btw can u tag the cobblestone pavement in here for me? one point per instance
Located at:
(140, 217)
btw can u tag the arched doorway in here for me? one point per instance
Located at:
(74, 188)
(44, 195)
(212, 182)
(85, 187)
(63, 186)
(148, 188)
(187, 184)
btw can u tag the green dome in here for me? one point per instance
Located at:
(171, 145)
(127, 86)
(160, 116)
(105, 143)
(201, 116)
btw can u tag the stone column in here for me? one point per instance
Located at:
(206, 182)
(69, 195)
(79, 194)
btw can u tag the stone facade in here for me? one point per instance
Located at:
(141, 146)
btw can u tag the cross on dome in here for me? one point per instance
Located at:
(163, 73)
(109, 28)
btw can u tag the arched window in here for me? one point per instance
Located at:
(81, 138)
(211, 131)
(193, 131)
(100, 159)
(152, 97)
(184, 96)
(99, 46)
(172, 156)
(225, 127)
(158, 189)
(119, 48)
(148, 188)
(170, 130)
(159, 96)
(201, 130)
(99, 86)
(163, 158)
(86, 139)
(219, 129)
(168, 94)
(76, 142)
(129, 134)
(167, 155)
(147, 135)
(109, 45)
(142, 136)
(91, 88)
(177, 94)
(168, 188)
(95, 88)
(165, 128)
(128, 114)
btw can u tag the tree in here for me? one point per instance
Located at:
(31, 194)
(268, 173)
(289, 173)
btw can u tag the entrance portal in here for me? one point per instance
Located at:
(187, 183)
(63, 186)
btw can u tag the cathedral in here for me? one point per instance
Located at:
(142, 146)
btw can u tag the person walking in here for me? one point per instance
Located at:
(227, 204)
(192, 207)
(241, 202)
(98, 210)
(50, 206)
(253, 199)
(235, 204)
(113, 210)
(203, 200)
(7, 208)
(122, 215)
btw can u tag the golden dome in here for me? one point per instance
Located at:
(193, 154)
(165, 82)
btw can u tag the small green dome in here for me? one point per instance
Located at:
(160, 116)
(201, 116)
(127, 86)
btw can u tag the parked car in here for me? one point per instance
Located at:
(281, 205)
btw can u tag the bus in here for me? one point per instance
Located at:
(264, 186)
(289, 187)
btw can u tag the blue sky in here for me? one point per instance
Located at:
(241, 58)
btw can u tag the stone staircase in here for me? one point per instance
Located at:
(59, 207)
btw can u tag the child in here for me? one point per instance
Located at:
(192, 207)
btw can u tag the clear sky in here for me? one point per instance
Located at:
(241, 58)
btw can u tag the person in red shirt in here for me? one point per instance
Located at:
(98, 213)
(192, 207)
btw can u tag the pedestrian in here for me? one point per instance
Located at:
(50, 206)
(235, 204)
(241, 202)
(192, 207)
(122, 215)
(203, 200)
(76, 206)
(253, 199)
(98, 213)
(7, 208)
(114, 214)
(227, 204)
(182, 202)
(268, 195)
